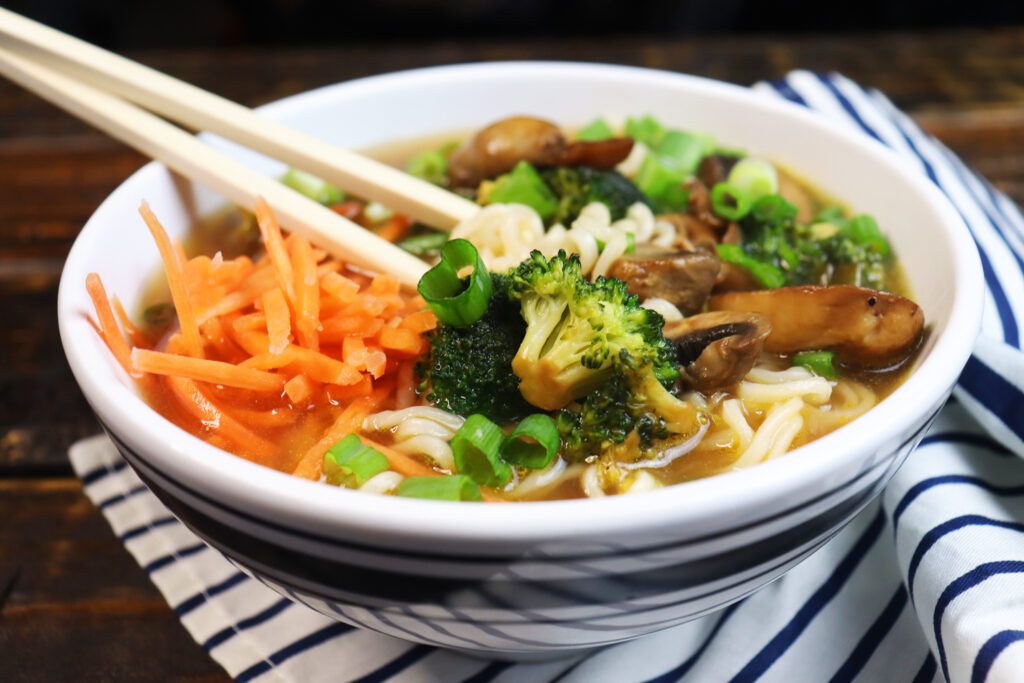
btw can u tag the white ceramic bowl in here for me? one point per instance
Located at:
(539, 579)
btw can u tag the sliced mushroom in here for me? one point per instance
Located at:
(691, 232)
(867, 329)
(597, 153)
(715, 168)
(501, 145)
(683, 278)
(717, 349)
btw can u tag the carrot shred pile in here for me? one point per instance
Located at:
(293, 347)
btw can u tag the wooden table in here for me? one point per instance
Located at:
(73, 604)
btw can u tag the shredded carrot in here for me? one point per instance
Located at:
(350, 209)
(298, 388)
(273, 242)
(340, 287)
(108, 324)
(401, 341)
(323, 368)
(395, 229)
(212, 371)
(420, 322)
(307, 294)
(335, 330)
(134, 334)
(279, 322)
(275, 354)
(400, 462)
(173, 270)
(376, 362)
(206, 413)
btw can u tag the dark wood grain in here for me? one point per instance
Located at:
(73, 604)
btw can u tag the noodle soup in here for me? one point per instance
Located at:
(631, 308)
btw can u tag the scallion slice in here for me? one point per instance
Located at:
(756, 177)
(350, 463)
(767, 274)
(598, 129)
(532, 443)
(821, 363)
(730, 202)
(317, 189)
(457, 301)
(427, 243)
(446, 487)
(477, 450)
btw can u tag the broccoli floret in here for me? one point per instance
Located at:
(469, 369)
(578, 332)
(833, 249)
(593, 351)
(578, 186)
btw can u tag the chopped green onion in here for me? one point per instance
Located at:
(821, 363)
(351, 463)
(431, 166)
(421, 245)
(863, 230)
(598, 129)
(681, 150)
(456, 301)
(754, 176)
(523, 185)
(317, 189)
(630, 242)
(729, 201)
(646, 130)
(532, 443)
(376, 212)
(455, 487)
(773, 210)
(662, 184)
(765, 273)
(476, 447)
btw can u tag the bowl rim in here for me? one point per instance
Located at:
(340, 512)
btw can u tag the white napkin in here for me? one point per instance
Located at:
(950, 528)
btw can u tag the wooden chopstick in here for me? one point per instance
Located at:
(202, 110)
(190, 157)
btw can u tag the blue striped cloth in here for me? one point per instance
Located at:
(926, 584)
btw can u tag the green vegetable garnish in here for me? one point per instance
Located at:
(821, 363)
(662, 184)
(350, 463)
(431, 166)
(476, 447)
(754, 176)
(523, 185)
(681, 151)
(317, 189)
(598, 129)
(766, 274)
(421, 245)
(454, 487)
(863, 230)
(646, 130)
(579, 186)
(730, 202)
(533, 442)
(455, 300)
(469, 369)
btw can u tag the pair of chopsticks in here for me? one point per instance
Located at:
(113, 93)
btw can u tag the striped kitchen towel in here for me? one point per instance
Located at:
(926, 584)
